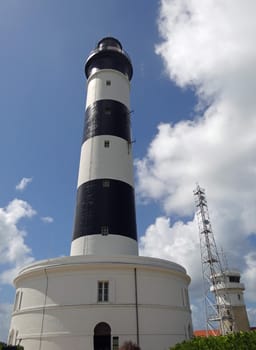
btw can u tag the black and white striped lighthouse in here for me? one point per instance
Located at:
(105, 220)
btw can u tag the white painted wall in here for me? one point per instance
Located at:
(98, 244)
(59, 307)
(119, 90)
(229, 292)
(230, 296)
(99, 162)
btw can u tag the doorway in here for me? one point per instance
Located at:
(102, 337)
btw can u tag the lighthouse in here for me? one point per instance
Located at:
(104, 293)
(105, 220)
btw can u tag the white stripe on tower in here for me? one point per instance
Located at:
(98, 90)
(105, 220)
(115, 163)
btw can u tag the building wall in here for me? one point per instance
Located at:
(58, 307)
(232, 294)
(241, 318)
(117, 164)
(104, 245)
(98, 90)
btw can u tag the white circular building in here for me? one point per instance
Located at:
(88, 302)
(104, 293)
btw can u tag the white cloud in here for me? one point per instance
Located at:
(14, 253)
(178, 242)
(13, 250)
(208, 45)
(47, 219)
(23, 183)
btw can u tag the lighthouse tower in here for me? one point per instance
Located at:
(105, 221)
(103, 294)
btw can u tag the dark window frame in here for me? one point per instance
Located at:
(106, 143)
(103, 291)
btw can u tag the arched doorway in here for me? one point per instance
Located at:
(102, 337)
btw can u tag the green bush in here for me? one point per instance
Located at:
(236, 341)
(4, 346)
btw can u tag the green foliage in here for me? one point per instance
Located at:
(236, 341)
(4, 346)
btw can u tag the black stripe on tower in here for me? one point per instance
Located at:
(105, 206)
(107, 117)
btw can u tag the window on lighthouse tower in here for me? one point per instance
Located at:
(104, 230)
(106, 143)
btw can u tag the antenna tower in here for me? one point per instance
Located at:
(217, 304)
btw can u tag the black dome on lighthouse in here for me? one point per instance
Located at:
(109, 54)
(109, 41)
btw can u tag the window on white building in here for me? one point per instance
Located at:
(18, 300)
(11, 337)
(115, 343)
(16, 341)
(103, 291)
(234, 279)
(185, 297)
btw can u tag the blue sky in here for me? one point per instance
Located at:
(194, 113)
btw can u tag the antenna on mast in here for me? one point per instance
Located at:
(217, 302)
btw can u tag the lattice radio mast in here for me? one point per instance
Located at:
(217, 304)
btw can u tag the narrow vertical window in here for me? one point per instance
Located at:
(16, 302)
(186, 297)
(19, 303)
(182, 296)
(115, 343)
(108, 82)
(16, 341)
(100, 291)
(11, 336)
(106, 143)
(103, 291)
